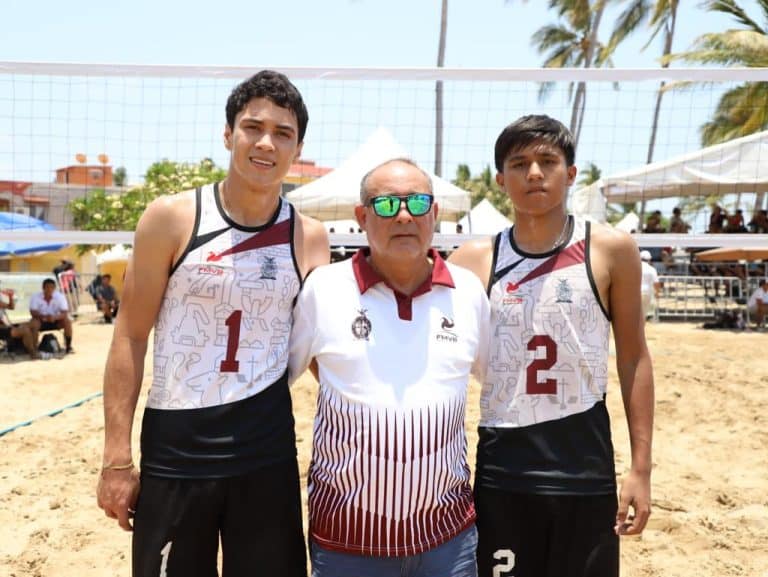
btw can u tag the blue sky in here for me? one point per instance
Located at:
(481, 33)
(398, 33)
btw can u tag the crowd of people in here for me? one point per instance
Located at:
(719, 222)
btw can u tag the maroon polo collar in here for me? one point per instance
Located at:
(367, 277)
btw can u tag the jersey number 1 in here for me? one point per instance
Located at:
(230, 364)
(532, 384)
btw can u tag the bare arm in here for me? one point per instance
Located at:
(618, 254)
(157, 242)
(475, 255)
(312, 246)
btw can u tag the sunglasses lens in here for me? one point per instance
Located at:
(386, 206)
(418, 204)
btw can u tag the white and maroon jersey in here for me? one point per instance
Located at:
(544, 425)
(221, 343)
(389, 475)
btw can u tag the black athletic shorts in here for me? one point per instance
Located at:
(527, 535)
(178, 524)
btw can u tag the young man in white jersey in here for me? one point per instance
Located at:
(545, 487)
(215, 271)
(392, 335)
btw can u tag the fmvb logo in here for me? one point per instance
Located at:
(510, 296)
(211, 270)
(446, 331)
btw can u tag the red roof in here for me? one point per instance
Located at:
(16, 187)
(308, 168)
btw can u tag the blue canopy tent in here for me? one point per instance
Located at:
(10, 221)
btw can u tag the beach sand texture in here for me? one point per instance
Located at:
(710, 480)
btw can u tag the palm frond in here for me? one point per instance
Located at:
(743, 47)
(628, 22)
(551, 36)
(732, 8)
(740, 111)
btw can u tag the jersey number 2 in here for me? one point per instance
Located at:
(532, 384)
(230, 364)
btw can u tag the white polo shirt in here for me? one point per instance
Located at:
(758, 295)
(57, 304)
(389, 475)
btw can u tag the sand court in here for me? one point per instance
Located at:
(710, 482)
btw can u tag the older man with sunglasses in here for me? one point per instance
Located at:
(392, 335)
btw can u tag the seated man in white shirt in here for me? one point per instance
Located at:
(758, 303)
(14, 333)
(50, 311)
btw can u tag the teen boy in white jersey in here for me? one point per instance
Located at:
(216, 271)
(392, 335)
(545, 486)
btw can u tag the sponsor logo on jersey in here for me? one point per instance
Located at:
(510, 298)
(210, 270)
(361, 326)
(446, 334)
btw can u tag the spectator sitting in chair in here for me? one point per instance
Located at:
(106, 298)
(24, 334)
(50, 311)
(677, 224)
(757, 305)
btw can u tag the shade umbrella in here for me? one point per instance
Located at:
(11, 221)
(734, 253)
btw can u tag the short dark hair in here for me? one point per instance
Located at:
(48, 281)
(276, 88)
(109, 276)
(534, 128)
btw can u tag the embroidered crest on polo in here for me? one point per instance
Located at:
(361, 326)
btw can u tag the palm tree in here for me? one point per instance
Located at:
(573, 42)
(663, 17)
(741, 110)
(589, 175)
(439, 91)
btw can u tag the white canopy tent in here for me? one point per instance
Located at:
(739, 165)
(334, 196)
(484, 219)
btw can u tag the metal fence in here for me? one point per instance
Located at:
(701, 297)
(75, 289)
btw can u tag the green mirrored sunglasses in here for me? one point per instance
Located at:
(417, 204)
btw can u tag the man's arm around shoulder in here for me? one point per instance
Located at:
(161, 234)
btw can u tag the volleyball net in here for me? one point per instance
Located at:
(77, 139)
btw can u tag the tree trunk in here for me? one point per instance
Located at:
(668, 37)
(579, 101)
(439, 92)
